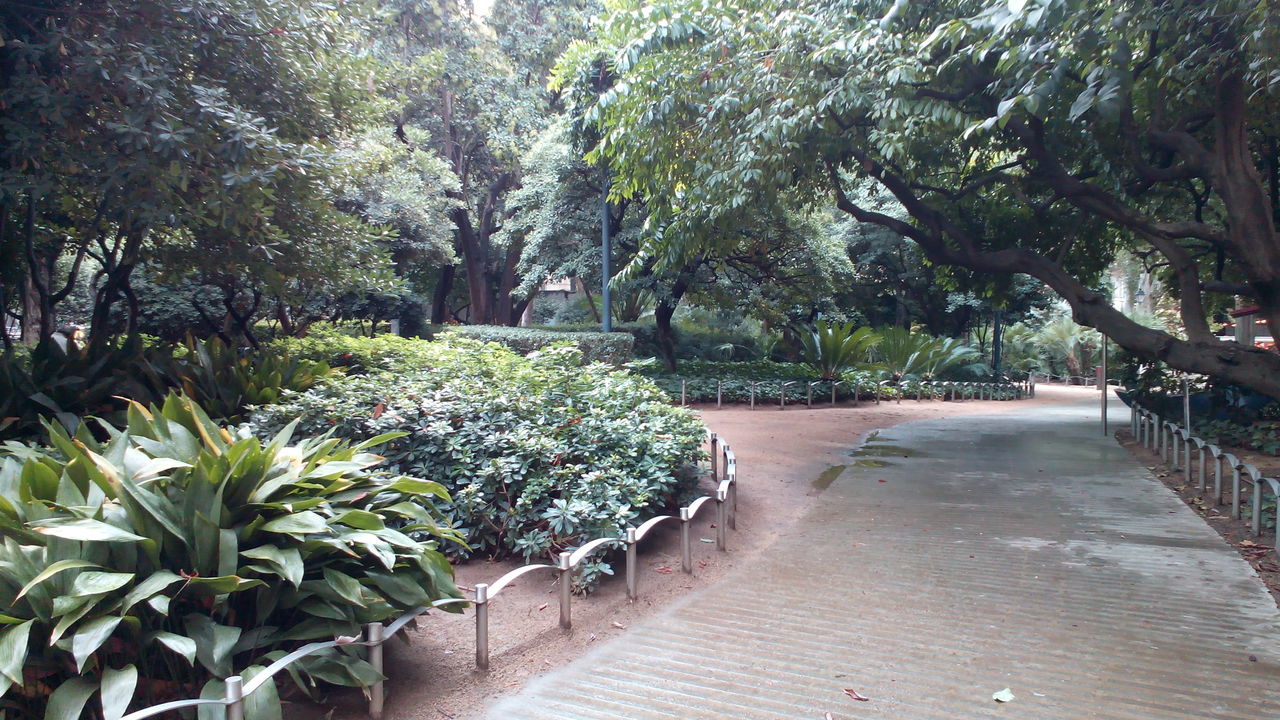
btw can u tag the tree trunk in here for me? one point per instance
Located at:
(440, 301)
(665, 333)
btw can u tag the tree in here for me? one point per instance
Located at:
(1021, 136)
(479, 113)
(132, 129)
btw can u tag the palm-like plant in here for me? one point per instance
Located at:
(833, 348)
(903, 354)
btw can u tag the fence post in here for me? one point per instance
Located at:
(631, 563)
(377, 691)
(782, 395)
(715, 447)
(1235, 490)
(1186, 466)
(1256, 520)
(1217, 478)
(1202, 468)
(682, 393)
(234, 696)
(566, 590)
(753, 395)
(482, 625)
(686, 549)
(719, 388)
(721, 520)
(733, 500)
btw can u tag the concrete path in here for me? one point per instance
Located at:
(1021, 551)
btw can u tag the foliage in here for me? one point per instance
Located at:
(540, 453)
(614, 348)
(833, 348)
(70, 383)
(226, 380)
(195, 134)
(905, 355)
(1261, 437)
(1020, 137)
(701, 380)
(176, 554)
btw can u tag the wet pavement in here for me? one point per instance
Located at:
(952, 559)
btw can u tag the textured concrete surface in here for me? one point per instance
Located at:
(1022, 551)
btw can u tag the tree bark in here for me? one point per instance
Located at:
(440, 300)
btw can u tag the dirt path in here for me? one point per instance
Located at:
(782, 457)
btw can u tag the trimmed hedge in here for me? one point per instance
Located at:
(692, 342)
(614, 348)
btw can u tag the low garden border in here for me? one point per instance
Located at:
(724, 472)
(937, 390)
(1174, 444)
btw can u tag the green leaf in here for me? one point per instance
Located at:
(68, 700)
(90, 637)
(362, 519)
(264, 703)
(117, 691)
(303, 523)
(347, 587)
(184, 646)
(97, 583)
(83, 529)
(52, 570)
(158, 581)
(214, 643)
(286, 563)
(414, 486)
(13, 651)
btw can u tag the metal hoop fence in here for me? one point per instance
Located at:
(724, 473)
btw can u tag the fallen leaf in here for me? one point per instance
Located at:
(702, 563)
(828, 716)
(663, 569)
(883, 480)
(543, 606)
(592, 638)
(618, 625)
(1004, 696)
(855, 695)
(1253, 658)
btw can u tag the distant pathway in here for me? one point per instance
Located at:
(1022, 550)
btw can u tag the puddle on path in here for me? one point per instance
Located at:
(885, 451)
(827, 477)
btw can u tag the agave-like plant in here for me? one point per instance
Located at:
(175, 554)
(226, 381)
(833, 348)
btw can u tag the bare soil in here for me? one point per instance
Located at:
(785, 459)
(1237, 533)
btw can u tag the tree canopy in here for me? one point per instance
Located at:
(1020, 136)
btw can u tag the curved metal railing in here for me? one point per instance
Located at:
(1174, 444)
(724, 472)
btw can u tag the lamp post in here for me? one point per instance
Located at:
(607, 316)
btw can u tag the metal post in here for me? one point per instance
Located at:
(566, 590)
(1202, 467)
(1102, 383)
(1186, 404)
(719, 388)
(1235, 492)
(686, 549)
(1255, 522)
(1217, 480)
(721, 519)
(1186, 466)
(715, 452)
(877, 393)
(377, 691)
(782, 395)
(482, 625)
(234, 696)
(857, 390)
(733, 500)
(682, 394)
(631, 563)
(753, 395)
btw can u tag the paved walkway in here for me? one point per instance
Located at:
(1021, 551)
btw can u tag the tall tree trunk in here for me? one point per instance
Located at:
(667, 308)
(440, 300)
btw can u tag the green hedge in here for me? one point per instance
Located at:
(692, 342)
(614, 348)
(539, 453)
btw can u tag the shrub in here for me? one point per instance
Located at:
(539, 452)
(156, 564)
(225, 380)
(614, 348)
(834, 348)
(692, 342)
(734, 379)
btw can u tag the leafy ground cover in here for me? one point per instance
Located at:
(539, 453)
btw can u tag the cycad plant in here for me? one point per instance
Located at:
(905, 355)
(159, 562)
(834, 348)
